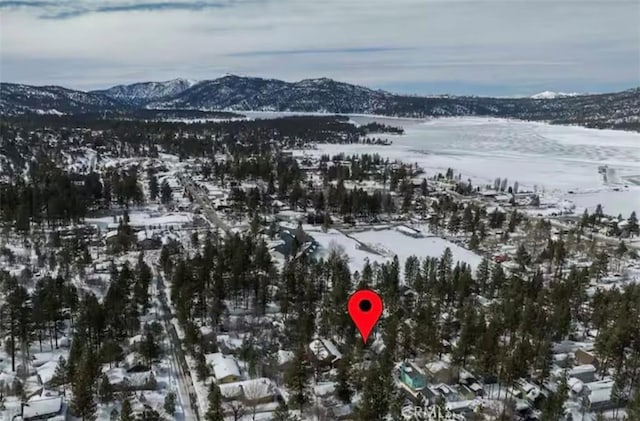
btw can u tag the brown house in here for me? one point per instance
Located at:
(584, 357)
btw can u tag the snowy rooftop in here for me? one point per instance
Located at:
(42, 406)
(437, 366)
(582, 369)
(223, 365)
(285, 356)
(249, 389)
(324, 349)
(600, 391)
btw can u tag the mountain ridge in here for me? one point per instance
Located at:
(141, 92)
(619, 110)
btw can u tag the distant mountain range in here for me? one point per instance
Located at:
(619, 110)
(143, 92)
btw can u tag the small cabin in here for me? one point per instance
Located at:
(412, 377)
(324, 353)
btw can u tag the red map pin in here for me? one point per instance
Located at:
(365, 308)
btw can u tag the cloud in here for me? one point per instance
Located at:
(509, 46)
(354, 50)
(66, 9)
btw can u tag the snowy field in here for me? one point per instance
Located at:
(553, 159)
(145, 219)
(381, 245)
(334, 239)
(393, 242)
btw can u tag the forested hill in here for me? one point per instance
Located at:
(619, 110)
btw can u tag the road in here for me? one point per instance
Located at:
(186, 389)
(205, 204)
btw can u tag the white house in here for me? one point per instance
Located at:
(225, 368)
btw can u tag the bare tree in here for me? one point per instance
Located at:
(236, 408)
(253, 391)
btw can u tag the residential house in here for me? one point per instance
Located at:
(323, 353)
(442, 372)
(600, 396)
(472, 388)
(342, 412)
(111, 238)
(225, 368)
(250, 392)
(285, 358)
(136, 378)
(435, 392)
(586, 357)
(585, 373)
(411, 232)
(171, 242)
(528, 390)
(463, 407)
(48, 408)
(412, 377)
(148, 241)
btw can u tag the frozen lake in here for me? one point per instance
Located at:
(558, 158)
(561, 162)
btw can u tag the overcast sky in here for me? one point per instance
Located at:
(484, 47)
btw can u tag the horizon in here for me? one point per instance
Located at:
(433, 47)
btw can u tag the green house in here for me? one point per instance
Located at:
(412, 377)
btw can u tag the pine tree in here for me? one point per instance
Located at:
(166, 193)
(633, 227)
(483, 273)
(83, 406)
(153, 187)
(114, 415)
(214, 412)
(148, 348)
(282, 413)
(374, 404)
(105, 390)
(60, 377)
(126, 413)
(343, 389)
(522, 257)
(621, 250)
(474, 242)
(633, 409)
(554, 405)
(296, 379)
(170, 403)
(152, 383)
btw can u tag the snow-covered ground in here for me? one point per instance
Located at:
(334, 239)
(381, 245)
(393, 242)
(613, 202)
(144, 219)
